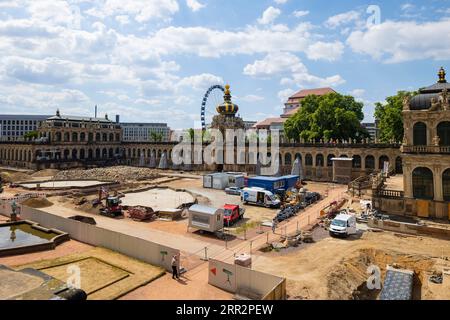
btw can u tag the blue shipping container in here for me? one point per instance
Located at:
(273, 183)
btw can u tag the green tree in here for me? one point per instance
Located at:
(156, 136)
(389, 117)
(331, 116)
(31, 135)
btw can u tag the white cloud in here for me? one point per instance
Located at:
(250, 98)
(358, 93)
(194, 5)
(342, 19)
(329, 51)
(269, 15)
(281, 1)
(395, 42)
(283, 95)
(296, 73)
(141, 10)
(300, 13)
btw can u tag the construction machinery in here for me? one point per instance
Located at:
(112, 208)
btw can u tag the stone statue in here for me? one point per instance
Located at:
(443, 99)
(436, 141)
(406, 101)
(434, 104)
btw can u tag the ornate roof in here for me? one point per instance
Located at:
(227, 108)
(58, 116)
(431, 95)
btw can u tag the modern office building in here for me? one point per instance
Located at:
(14, 126)
(145, 132)
(372, 128)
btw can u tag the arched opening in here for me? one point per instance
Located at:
(370, 162)
(356, 163)
(287, 159)
(111, 152)
(446, 185)
(97, 137)
(422, 180)
(74, 137)
(82, 154)
(308, 160)
(344, 156)
(117, 137)
(97, 153)
(298, 156)
(66, 153)
(398, 165)
(74, 154)
(105, 137)
(381, 162)
(329, 161)
(319, 160)
(104, 153)
(443, 131)
(111, 137)
(82, 136)
(66, 137)
(420, 134)
(90, 154)
(90, 137)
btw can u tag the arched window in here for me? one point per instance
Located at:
(420, 134)
(329, 161)
(74, 136)
(398, 165)
(370, 162)
(382, 160)
(97, 137)
(308, 160)
(422, 180)
(356, 163)
(287, 159)
(446, 184)
(319, 160)
(443, 131)
(298, 156)
(82, 154)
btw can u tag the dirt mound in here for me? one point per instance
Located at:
(14, 176)
(348, 280)
(119, 173)
(37, 203)
(45, 173)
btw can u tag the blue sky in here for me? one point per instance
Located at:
(152, 60)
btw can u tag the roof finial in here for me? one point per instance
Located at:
(57, 113)
(106, 116)
(441, 75)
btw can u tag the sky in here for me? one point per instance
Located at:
(153, 60)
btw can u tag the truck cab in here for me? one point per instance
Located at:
(232, 213)
(343, 225)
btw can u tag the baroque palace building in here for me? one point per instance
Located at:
(423, 158)
(426, 155)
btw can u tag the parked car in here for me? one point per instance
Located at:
(233, 191)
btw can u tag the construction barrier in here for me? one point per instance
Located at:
(5, 202)
(245, 282)
(408, 228)
(134, 247)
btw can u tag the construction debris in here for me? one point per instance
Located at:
(141, 213)
(119, 173)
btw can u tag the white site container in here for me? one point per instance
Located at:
(236, 180)
(220, 181)
(205, 218)
(207, 181)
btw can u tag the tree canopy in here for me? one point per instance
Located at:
(389, 117)
(328, 117)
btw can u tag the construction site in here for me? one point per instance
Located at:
(291, 242)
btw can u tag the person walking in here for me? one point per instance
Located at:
(175, 267)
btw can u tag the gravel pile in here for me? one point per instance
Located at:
(120, 174)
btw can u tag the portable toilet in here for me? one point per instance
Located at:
(205, 218)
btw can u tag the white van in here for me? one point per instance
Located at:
(260, 197)
(343, 225)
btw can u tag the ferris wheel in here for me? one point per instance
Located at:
(212, 98)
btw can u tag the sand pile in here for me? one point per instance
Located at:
(45, 173)
(14, 176)
(119, 173)
(37, 203)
